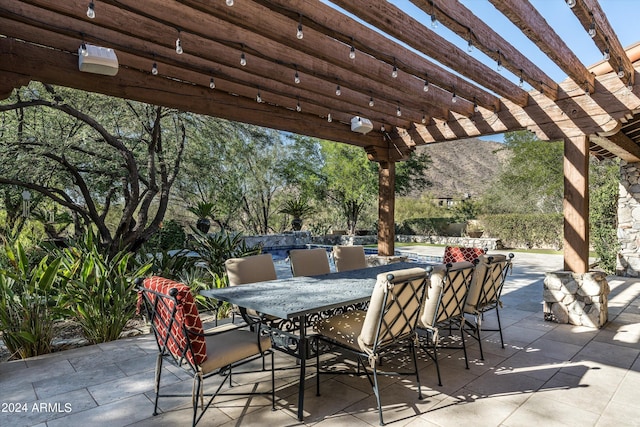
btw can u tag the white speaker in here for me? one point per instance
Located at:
(361, 125)
(97, 60)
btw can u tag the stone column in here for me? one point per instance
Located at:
(628, 263)
(578, 299)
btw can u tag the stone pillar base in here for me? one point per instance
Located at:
(577, 299)
(375, 260)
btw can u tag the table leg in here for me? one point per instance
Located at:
(303, 365)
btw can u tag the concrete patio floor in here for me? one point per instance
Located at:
(559, 375)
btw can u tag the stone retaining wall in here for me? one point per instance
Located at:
(578, 299)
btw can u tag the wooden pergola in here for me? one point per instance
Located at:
(312, 68)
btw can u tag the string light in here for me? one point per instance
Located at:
(298, 107)
(470, 45)
(91, 10)
(592, 28)
(454, 98)
(371, 103)
(424, 119)
(258, 97)
(398, 111)
(606, 55)
(229, 2)
(338, 91)
(329, 119)
(621, 72)
(394, 72)
(434, 21)
(243, 59)
(571, 3)
(541, 87)
(425, 88)
(179, 44)
(154, 69)
(521, 82)
(212, 83)
(296, 77)
(382, 129)
(586, 90)
(475, 106)
(83, 49)
(499, 62)
(299, 33)
(352, 53)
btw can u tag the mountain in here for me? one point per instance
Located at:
(466, 166)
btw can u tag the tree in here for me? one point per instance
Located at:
(532, 181)
(351, 180)
(111, 163)
(603, 211)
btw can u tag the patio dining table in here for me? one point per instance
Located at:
(298, 301)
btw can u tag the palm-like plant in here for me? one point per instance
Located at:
(204, 211)
(298, 208)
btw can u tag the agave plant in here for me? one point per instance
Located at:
(214, 249)
(204, 211)
(28, 308)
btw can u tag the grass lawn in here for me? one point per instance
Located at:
(529, 251)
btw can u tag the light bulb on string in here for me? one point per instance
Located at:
(606, 55)
(425, 88)
(424, 119)
(299, 33)
(329, 119)
(83, 49)
(621, 72)
(394, 72)
(371, 103)
(212, 83)
(91, 10)
(352, 53)
(243, 59)
(454, 98)
(154, 69)
(592, 29)
(179, 44)
(229, 2)
(470, 46)
(521, 82)
(258, 97)
(338, 90)
(296, 78)
(382, 129)
(475, 106)
(499, 63)
(398, 111)
(571, 3)
(434, 21)
(298, 107)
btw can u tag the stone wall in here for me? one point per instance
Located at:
(628, 263)
(578, 299)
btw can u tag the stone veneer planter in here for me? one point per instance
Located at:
(578, 299)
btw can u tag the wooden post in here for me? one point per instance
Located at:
(386, 208)
(576, 204)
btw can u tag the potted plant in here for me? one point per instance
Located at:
(474, 229)
(203, 210)
(298, 208)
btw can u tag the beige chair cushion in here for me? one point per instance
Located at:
(406, 299)
(343, 328)
(484, 278)
(226, 348)
(349, 258)
(251, 269)
(309, 262)
(434, 290)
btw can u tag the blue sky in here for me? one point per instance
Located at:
(620, 13)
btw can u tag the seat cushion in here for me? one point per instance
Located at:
(230, 347)
(456, 254)
(343, 328)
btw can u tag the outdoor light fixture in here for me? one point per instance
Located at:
(521, 82)
(97, 60)
(299, 33)
(499, 62)
(470, 45)
(229, 2)
(212, 83)
(296, 78)
(398, 111)
(621, 72)
(91, 11)
(352, 53)
(83, 49)
(425, 88)
(434, 21)
(454, 98)
(258, 97)
(329, 119)
(394, 72)
(424, 119)
(371, 103)
(571, 3)
(382, 129)
(298, 107)
(154, 69)
(606, 55)
(475, 106)
(361, 125)
(243, 59)
(338, 91)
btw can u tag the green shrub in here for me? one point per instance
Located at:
(170, 236)
(100, 289)
(525, 230)
(28, 306)
(214, 249)
(424, 226)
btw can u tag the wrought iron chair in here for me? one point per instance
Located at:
(389, 323)
(484, 294)
(309, 262)
(444, 307)
(176, 324)
(459, 253)
(349, 258)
